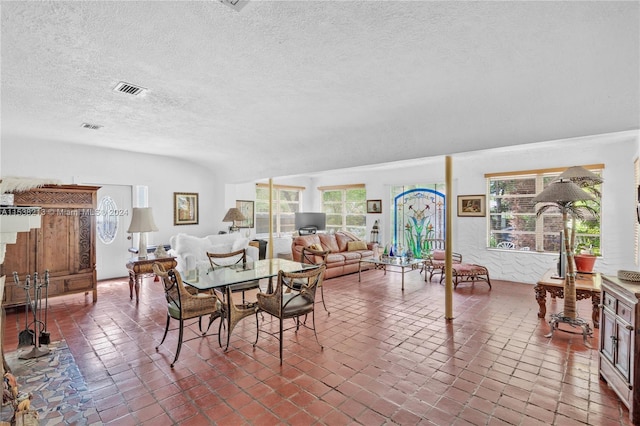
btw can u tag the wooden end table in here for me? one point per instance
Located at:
(587, 287)
(139, 268)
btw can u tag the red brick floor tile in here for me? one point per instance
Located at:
(394, 361)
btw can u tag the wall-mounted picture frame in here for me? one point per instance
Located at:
(246, 208)
(185, 208)
(374, 206)
(472, 205)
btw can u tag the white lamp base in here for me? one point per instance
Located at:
(142, 246)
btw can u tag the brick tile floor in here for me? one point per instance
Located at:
(389, 358)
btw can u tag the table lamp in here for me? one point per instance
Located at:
(142, 222)
(233, 215)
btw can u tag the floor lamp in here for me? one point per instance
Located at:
(564, 194)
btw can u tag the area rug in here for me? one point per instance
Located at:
(60, 393)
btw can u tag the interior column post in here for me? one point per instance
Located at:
(270, 246)
(448, 292)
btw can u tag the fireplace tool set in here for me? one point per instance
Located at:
(35, 332)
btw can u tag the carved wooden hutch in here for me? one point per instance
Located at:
(65, 243)
(619, 343)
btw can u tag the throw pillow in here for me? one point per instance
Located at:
(356, 245)
(316, 247)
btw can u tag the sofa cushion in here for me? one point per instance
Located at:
(356, 245)
(329, 242)
(343, 241)
(239, 244)
(190, 244)
(438, 255)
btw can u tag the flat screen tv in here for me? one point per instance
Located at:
(310, 222)
(562, 257)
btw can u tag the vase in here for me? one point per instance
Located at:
(585, 262)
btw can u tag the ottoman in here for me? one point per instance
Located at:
(469, 272)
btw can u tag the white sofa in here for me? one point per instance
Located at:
(191, 251)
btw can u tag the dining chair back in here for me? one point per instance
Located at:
(233, 311)
(316, 257)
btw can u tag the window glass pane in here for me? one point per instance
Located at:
(346, 210)
(513, 218)
(286, 202)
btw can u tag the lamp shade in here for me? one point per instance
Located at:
(579, 175)
(233, 214)
(562, 192)
(142, 220)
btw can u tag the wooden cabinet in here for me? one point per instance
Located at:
(619, 359)
(65, 243)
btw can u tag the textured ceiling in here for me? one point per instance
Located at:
(292, 87)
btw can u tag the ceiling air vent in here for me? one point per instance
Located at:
(236, 5)
(91, 126)
(129, 89)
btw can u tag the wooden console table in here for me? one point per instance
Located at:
(139, 268)
(587, 287)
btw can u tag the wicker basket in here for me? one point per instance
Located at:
(629, 275)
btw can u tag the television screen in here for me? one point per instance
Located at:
(309, 220)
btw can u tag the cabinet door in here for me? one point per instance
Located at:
(623, 354)
(607, 335)
(54, 248)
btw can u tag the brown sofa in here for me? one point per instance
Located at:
(341, 260)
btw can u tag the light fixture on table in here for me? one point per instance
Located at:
(563, 193)
(142, 222)
(233, 215)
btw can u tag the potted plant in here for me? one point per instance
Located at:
(585, 258)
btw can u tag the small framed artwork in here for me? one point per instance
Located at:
(374, 206)
(185, 208)
(471, 205)
(246, 208)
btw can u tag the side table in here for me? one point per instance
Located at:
(139, 268)
(587, 287)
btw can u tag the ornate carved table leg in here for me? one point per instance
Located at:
(541, 297)
(595, 313)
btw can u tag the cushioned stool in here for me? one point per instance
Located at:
(469, 272)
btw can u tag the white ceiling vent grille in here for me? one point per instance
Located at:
(130, 89)
(91, 126)
(236, 5)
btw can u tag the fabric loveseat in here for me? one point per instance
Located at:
(191, 251)
(346, 251)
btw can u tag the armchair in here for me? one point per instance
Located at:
(434, 264)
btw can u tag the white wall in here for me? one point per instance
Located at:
(74, 164)
(616, 151)
(165, 175)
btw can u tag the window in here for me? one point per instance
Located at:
(107, 220)
(346, 208)
(513, 220)
(286, 202)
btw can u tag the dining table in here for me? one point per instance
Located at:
(226, 280)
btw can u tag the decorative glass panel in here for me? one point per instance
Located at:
(107, 220)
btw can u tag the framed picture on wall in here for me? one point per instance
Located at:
(471, 205)
(374, 206)
(185, 208)
(246, 208)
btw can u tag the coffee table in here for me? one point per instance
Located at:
(398, 262)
